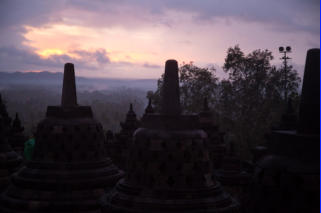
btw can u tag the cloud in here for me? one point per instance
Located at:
(293, 15)
(99, 55)
(15, 59)
(153, 66)
(88, 63)
(290, 14)
(183, 29)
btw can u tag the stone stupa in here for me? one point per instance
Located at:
(69, 169)
(123, 139)
(169, 169)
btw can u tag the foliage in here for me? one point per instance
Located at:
(195, 84)
(252, 97)
(247, 103)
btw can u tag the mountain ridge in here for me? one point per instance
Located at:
(55, 78)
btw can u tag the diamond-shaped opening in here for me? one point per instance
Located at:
(179, 167)
(178, 145)
(188, 180)
(134, 165)
(55, 156)
(187, 155)
(164, 145)
(62, 146)
(69, 157)
(147, 143)
(84, 136)
(170, 181)
(151, 181)
(137, 177)
(155, 156)
(196, 167)
(140, 154)
(162, 167)
(145, 165)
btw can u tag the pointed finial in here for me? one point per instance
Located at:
(170, 90)
(149, 108)
(69, 95)
(130, 112)
(16, 125)
(309, 114)
(205, 105)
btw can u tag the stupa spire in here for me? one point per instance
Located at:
(170, 90)
(309, 107)
(149, 108)
(69, 95)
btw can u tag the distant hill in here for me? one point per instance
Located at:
(51, 79)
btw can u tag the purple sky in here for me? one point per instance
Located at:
(133, 38)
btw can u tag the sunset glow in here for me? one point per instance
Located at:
(134, 39)
(48, 52)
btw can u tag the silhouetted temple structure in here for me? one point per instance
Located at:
(119, 146)
(17, 138)
(149, 109)
(227, 167)
(216, 145)
(4, 113)
(288, 177)
(169, 169)
(69, 169)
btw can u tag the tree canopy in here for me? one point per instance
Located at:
(248, 102)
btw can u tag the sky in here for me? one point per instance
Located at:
(134, 38)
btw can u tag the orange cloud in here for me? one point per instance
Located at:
(48, 52)
(61, 39)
